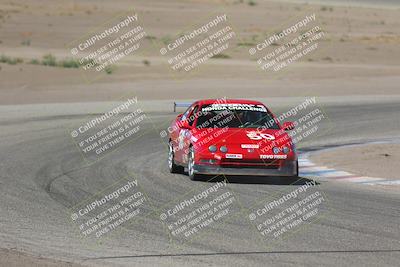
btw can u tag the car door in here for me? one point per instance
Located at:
(185, 135)
(178, 134)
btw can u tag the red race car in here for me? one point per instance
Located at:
(231, 137)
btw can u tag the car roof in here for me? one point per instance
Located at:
(223, 100)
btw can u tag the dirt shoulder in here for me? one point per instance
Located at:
(358, 54)
(377, 160)
(11, 258)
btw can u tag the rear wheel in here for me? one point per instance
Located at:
(192, 175)
(173, 168)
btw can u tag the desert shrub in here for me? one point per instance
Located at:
(49, 60)
(220, 56)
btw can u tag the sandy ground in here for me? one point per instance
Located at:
(358, 54)
(12, 258)
(376, 160)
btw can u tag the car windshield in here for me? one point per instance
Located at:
(235, 116)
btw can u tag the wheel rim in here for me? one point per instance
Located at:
(191, 162)
(170, 156)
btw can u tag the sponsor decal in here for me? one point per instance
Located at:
(253, 135)
(273, 156)
(235, 106)
(233, 156)
(250, 146)
(218, 157)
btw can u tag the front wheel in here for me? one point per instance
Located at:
(173, 168)
(192, 175)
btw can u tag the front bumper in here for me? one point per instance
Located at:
(289, 168)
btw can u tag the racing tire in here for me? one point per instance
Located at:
(297, 170)
(173, 168)
(192, 175)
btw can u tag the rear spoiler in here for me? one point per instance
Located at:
(181, 105)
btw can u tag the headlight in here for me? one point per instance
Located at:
(212, 148)
(285, 150)
(275, 150)
(223, 149)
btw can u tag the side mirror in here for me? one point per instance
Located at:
(287, 126)
(179, 116)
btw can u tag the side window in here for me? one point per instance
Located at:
(191, 121)
(186, 113)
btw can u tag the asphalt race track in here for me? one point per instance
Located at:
(43, 176)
